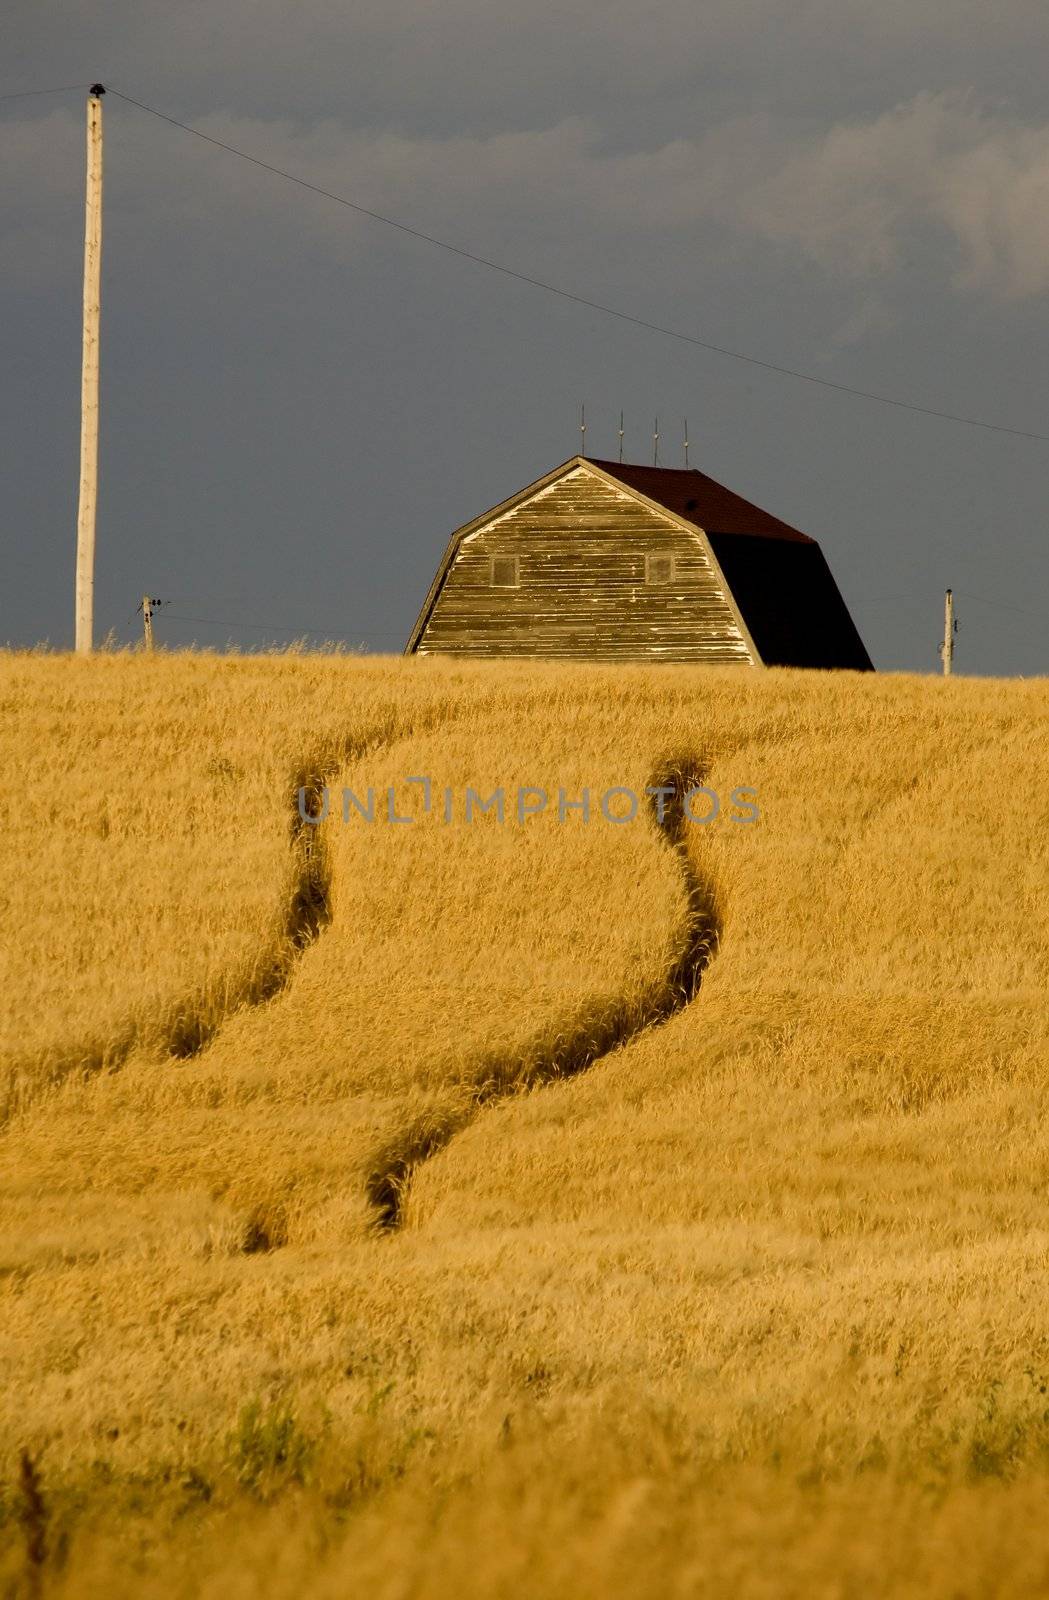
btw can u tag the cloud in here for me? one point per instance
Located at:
(855, 200)
(939, 177)
(852, 199)
(674, 68)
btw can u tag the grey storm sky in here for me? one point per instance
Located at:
(300, 404)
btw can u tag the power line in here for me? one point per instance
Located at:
(223, 599)
(889, 600)
(1004, 605)
(262, 627)
(916, 601)
(579, 299)
(29, 94)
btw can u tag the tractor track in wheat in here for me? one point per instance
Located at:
(593, 1034)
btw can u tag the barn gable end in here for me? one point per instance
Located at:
(579, 566)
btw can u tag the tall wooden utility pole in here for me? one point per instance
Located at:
(147, 622)
(948, 633)
(85, 530)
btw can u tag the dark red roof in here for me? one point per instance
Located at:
(697, 498)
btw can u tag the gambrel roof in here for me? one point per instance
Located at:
(698, 499)
(775, 581)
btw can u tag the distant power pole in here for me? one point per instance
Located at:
(149, 603)
(85, 533)
(949, 625)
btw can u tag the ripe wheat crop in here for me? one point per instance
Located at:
(522, 1206)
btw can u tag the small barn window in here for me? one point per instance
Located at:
(659, 569)
(505, 572)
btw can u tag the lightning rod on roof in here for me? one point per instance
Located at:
(621, 438)
(655, 445)
(686, 444)
(582, 430)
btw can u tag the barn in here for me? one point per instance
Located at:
(601, 561)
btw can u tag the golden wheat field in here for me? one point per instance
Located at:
(620, 1205)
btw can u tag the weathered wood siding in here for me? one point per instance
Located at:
(581, 546)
